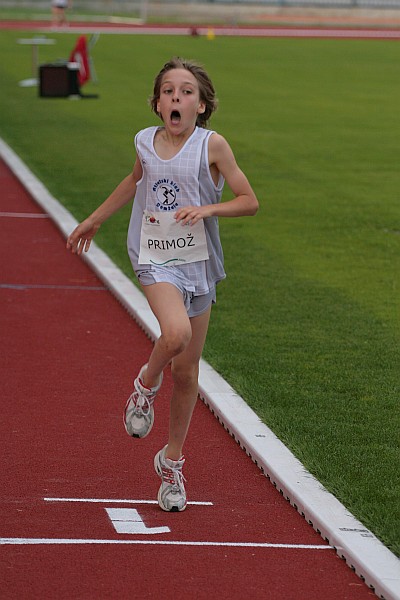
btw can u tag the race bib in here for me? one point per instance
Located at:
(165, 242)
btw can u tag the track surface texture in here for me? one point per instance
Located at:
(371, 26)
(77, 495)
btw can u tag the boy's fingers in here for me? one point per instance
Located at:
(81, 246)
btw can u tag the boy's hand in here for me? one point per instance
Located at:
(192, 214)
(81, 238)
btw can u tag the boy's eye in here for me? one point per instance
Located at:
(171, 91)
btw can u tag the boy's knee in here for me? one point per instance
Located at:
(184, 374)
(177, 340)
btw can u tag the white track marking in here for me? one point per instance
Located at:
(24, 215)
(116, 501)
(39, 286)
(60, 541)
(128, 520)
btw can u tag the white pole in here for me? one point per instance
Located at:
(143, 10)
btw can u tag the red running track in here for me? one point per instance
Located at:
(376, 31)
(69, 352)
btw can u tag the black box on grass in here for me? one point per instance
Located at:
(59, 80)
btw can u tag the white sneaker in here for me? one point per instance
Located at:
(172, 494)
(139, 411)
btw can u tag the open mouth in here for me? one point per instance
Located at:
(175, 117)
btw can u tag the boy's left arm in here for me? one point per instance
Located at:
(243, 204)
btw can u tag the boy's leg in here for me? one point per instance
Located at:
(166, 302)
(185, 372)
(169, 461)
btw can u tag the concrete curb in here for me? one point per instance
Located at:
(364, 553)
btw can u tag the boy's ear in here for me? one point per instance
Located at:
(202, 108)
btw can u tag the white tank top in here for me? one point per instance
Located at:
(167, 185)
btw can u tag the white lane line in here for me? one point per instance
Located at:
(117, 501)
(60, 541)
(24, 215)
(39, 286)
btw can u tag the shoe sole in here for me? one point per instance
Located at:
(174, 508)
(135, 435)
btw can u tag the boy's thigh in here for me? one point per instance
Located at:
(167, 303)
(192, 353)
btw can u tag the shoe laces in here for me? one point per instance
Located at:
(142, 401)
(174, 477)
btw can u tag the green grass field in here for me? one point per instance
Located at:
(307, 326)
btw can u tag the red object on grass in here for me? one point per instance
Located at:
(80, 55)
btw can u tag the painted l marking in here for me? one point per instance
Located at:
(128, 520)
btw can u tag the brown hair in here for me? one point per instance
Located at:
(206, 88)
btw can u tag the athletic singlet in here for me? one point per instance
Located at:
(166, 185)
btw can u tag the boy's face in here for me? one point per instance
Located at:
(179, 102)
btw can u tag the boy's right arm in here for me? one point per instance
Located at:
(80, 239)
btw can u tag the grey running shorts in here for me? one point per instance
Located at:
(195, 305)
